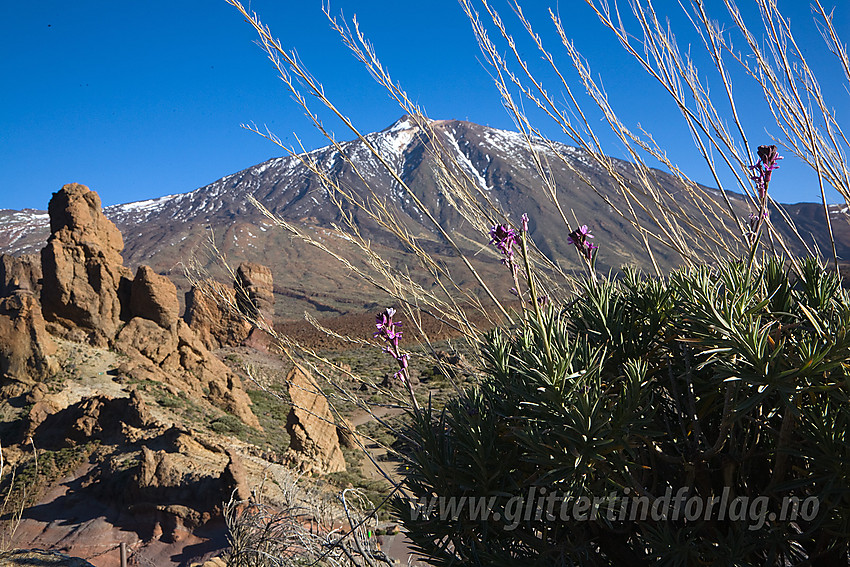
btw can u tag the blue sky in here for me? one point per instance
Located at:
(142, 98)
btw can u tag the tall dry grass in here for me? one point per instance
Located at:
(762, 51)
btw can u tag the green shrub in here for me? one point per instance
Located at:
(718, 380)
(228, 425)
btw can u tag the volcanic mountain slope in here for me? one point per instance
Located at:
(170, 231)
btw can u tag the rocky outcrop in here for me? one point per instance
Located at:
(154, 343)
(82, 268)
(26, 348)
(19, 273)
(95, 418)
(313, 439)
(211, 312)
(165, 478)
(154, 297)
(88, 295)
(162, 472)
(234, 478)
(175, 356)
(254, 287)
(223, 386)
(347, 436)
(223, 316)
(172, 493)
(38, 558)
(172, 487)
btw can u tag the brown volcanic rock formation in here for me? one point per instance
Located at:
(88, 294)
(83, 268)
(23, 272)
(176, 357)
(101, 418)
(211, 313)
(165, 480)
(154, 297)
(179, 482)
(144, 337)
(225, 388)
(168, 476)
(25, 345)
(234, 478)
(313, 439)
(175, 480)
(255, 291)
(220, 315)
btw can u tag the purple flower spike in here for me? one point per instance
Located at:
(579, 238)
(579, 235)
(388, 330)
(524, 219)
(504, 237)
(768, 156)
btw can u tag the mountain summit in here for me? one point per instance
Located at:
(498, 165)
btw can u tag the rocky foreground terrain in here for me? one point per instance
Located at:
(139, 431)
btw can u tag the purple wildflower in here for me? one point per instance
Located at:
(504, 237)
(389, 332)
(579, 235)
(387, 327)
(762, 170)
(579, 238)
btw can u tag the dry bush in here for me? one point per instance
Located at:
(307, 527)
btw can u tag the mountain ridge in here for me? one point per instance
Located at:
(167, 231)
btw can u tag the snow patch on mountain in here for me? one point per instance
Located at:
(466, 163)
(137, 211)
(26, 216)
(390, 144)
(395, 140)
(23, 232)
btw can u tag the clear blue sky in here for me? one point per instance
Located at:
(142, 98)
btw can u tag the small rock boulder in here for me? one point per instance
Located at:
(38, 558)
(234, 478)
(348, 437)
(148, 338)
